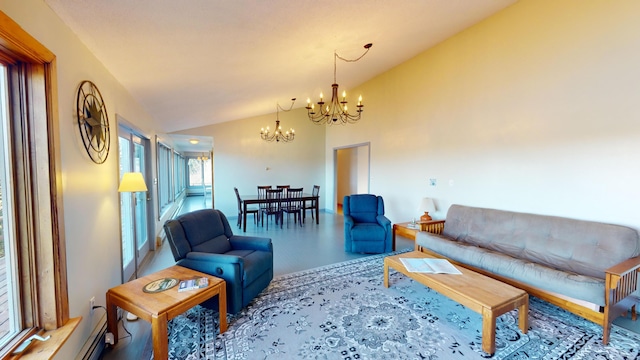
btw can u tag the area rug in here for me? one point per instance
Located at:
(343, 311)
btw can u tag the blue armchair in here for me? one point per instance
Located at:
(202, 240)
(366, 229)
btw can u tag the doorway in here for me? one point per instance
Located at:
(133, 150)
(351, 172)
(200, 178)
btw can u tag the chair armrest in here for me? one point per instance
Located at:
(383, 221)
(239, 242)
(214, 258)
(348, 222)
(228, 267)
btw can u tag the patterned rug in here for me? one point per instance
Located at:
(343, 311)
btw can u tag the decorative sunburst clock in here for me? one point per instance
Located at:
(93, 122)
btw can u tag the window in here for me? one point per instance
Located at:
(179, 174)
(30, 212)
(165, 195)
(9, 318)
(200, 172)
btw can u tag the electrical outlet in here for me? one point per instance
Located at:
(92, 303)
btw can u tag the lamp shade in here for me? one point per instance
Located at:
(427, 205)
(132, 182)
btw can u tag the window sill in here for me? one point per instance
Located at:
(47, 349)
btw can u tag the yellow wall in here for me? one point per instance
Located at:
(534, 109)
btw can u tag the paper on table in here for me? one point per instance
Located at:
(432, 266)
(192, 284)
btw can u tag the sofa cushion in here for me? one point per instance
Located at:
(577, 246)
(576, 286)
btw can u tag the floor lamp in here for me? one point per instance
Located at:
(133, 182)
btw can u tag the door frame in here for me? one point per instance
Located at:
(148, 245)
(363, 170)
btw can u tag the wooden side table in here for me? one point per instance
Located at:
(160, 307)
(404, 229)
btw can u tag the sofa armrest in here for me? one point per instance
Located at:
(239, 242)
(625, 272)
(625, 266)
(432, 226)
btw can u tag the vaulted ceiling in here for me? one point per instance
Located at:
(192, 63)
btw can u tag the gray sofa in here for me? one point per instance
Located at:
(552, 258)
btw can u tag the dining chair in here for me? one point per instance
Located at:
(262, 194)
(311, 204)
(273, 206)
(285, 188)
(293, 205)
(250, 210)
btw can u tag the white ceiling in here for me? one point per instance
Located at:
(192, 63)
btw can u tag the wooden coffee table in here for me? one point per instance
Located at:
(160, 307)
(484, 295)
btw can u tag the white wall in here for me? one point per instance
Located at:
(242, 159)
(91, 202)
(535, 110)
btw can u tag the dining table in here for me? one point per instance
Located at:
(255, 199)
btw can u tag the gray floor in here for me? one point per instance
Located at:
(295, 248)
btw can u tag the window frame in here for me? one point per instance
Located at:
(42, 265)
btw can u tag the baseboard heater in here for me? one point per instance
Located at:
(95, 345)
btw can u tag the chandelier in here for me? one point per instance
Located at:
(277, 134)
(336, 111)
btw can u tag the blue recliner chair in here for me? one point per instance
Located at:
(366, 229)
(202, 240)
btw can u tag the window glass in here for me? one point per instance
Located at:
(9, 311)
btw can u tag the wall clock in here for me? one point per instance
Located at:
(93, 122)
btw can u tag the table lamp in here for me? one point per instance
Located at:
(133, 182)
(426, 206)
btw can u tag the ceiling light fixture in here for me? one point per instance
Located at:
(194, 141)
(277, 134)
(336, 112)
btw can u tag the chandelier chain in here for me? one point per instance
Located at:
(336, 56)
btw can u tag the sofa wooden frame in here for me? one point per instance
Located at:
(621, 281)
